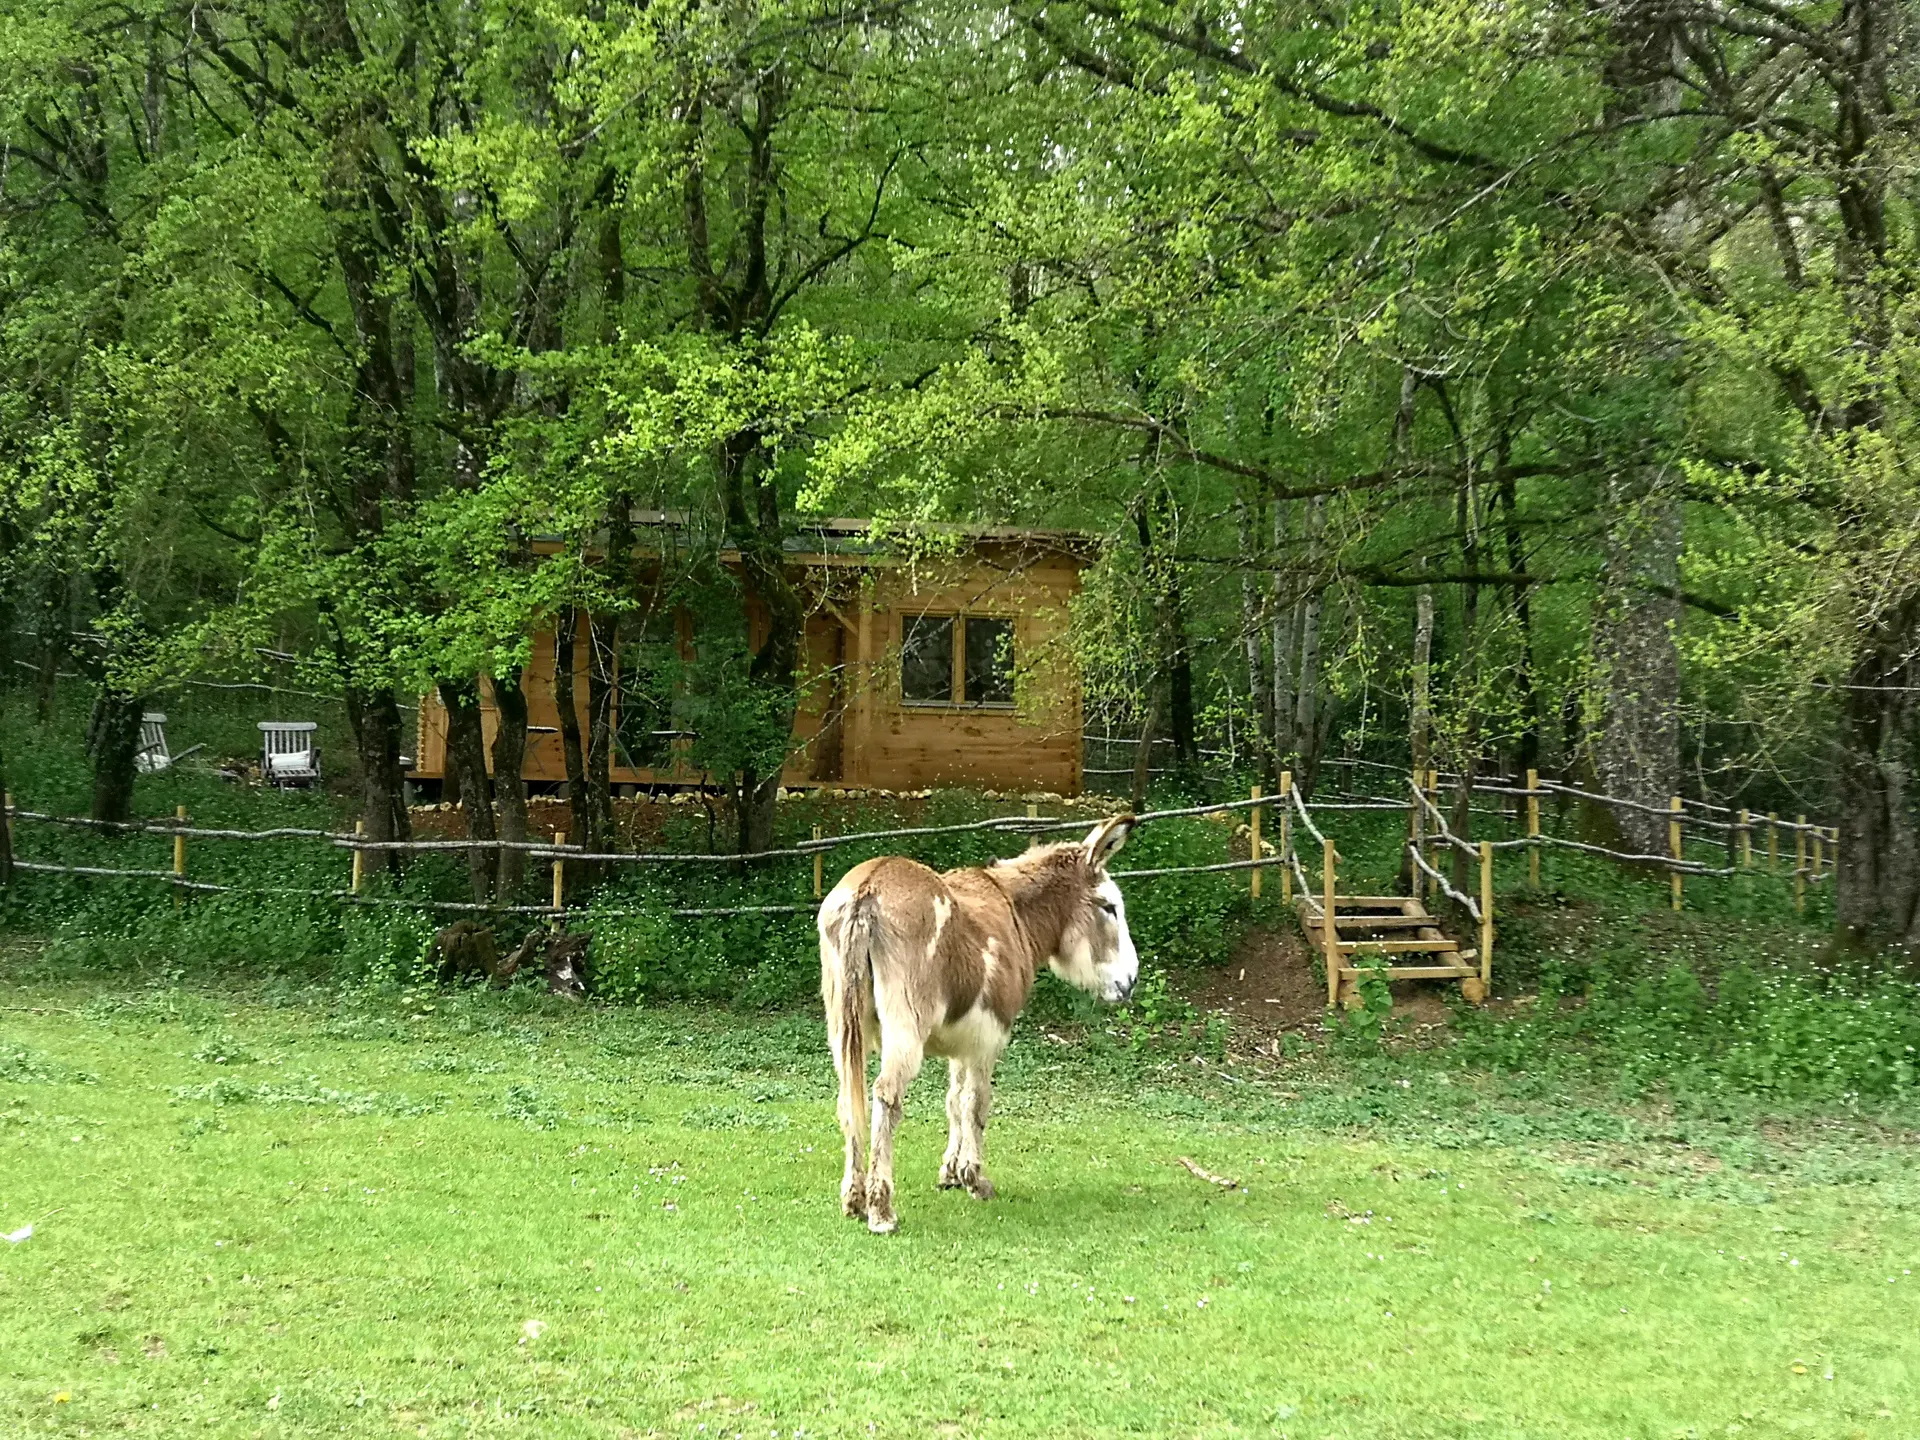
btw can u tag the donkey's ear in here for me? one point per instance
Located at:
(1106, 839)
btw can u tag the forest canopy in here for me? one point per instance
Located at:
(1520, 385)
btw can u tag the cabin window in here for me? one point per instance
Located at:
(926, 660)
(650, 700)
(989, 676)
(956, 660)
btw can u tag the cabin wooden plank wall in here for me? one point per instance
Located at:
(854, 726)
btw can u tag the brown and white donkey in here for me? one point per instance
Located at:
(915, 963)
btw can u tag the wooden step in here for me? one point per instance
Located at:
(1383, 922)
(1417, 972)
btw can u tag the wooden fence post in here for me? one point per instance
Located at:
(1800, 867)
(1253, 845)
(6, 819)
(1819, 850)
(359, 856)
(1773, 843)
(1746, 840)
(1329, 932)
(179, 853)
(1286, 835)
(1677, 845)
(1533, 828)
(1033, 841)
(559, 880)
(1833, 859)
(819, 867)
(1486, 919)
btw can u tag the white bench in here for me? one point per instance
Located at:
(289, 752)
(153, 755)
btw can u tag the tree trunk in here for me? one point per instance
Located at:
(1306, 710)
(603, 678)
(1143, 752)
(375, 720)
(1285, 622)
(566, 635)
(772, 674)
(1637, 753)
(1878, 884)
(509, 777)
(467, 759)
(1419, 724)
(6, 837)
(603, 651)
(1252, 622)
(114, 738)
(1522, 600)
(53, 646)
(1170, 625)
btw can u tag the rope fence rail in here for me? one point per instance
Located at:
(1813, 863)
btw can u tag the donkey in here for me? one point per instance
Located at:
(915, 963)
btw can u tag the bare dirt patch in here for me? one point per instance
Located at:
(1273, 982)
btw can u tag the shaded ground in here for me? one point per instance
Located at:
(1273, 983)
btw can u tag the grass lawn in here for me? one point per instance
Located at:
(429, 1214)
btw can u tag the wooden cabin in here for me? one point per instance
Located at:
(917, 671)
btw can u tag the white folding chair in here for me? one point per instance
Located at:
(153, 755)
(289, 752)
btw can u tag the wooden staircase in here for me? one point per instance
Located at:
(1389, 927)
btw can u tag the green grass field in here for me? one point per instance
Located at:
(415, 1213)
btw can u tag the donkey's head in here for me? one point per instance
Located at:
(1096, 950)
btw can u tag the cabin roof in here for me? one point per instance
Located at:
(845, 538)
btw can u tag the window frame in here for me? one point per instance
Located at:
(957, 624)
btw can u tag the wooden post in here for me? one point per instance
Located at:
(1033, 841)
(1533, 828)
(1819, 850)
(6, 819)
(179, 853)
(1676, 844)
(1833, 858)
(1773, 843)
(1800, 867)
(1746, 840)
(1329, 932)
(559, 879)
(1253, 847)
(819, 863)
(359, 856)
(1286, 835)
(1486, 918)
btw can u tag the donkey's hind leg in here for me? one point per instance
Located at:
(956, 1125)
(976, 1104)
(901, 1052)
(852, 1065)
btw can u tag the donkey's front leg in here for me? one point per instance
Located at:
(898, 1065)
(956, 1125)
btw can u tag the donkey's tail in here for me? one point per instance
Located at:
(848, 935)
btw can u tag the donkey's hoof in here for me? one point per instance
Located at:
(949, 1178)
(980, 1188)
(853, 1204)
(881, 1224)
